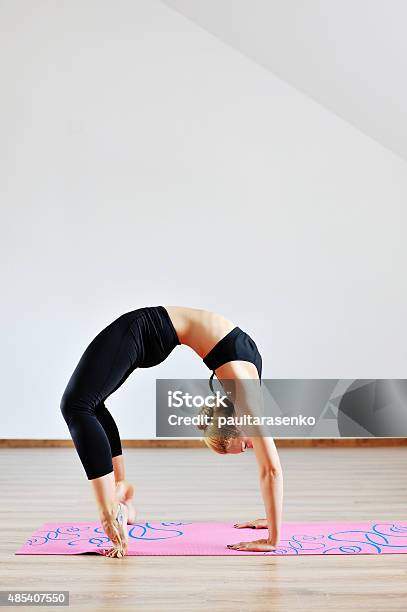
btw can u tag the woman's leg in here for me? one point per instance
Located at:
(104, 366)
(123, 489)
(109, 425)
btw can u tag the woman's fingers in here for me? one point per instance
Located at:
(257, 524)
(256, 546)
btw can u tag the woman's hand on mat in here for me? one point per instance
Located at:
(257, 524)
(256, 546)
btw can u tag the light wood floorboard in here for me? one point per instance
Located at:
(48, 484)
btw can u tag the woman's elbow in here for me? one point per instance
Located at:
(271, 472)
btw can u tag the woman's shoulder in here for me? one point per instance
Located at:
(198, 327)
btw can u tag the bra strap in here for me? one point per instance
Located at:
(228, 402)
(210, 381)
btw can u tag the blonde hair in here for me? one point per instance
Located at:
(217, 438)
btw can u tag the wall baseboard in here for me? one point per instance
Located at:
(157, 443)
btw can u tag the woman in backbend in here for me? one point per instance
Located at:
(143, 338)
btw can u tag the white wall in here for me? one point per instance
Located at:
(144, 162)
(349, 55)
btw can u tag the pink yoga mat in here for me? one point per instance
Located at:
(173, 538)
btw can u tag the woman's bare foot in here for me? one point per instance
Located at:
(115, 527)
(125, 494)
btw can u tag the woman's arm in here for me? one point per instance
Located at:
(248, 400)
(271, 486)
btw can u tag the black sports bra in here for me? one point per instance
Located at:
(235, 346)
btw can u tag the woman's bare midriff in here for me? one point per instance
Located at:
(199, 329)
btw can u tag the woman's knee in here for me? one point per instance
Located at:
(78, 402)
(66, 405)
(72, 403)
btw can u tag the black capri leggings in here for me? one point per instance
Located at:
(141, 338)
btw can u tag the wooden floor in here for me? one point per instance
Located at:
(39, 485)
